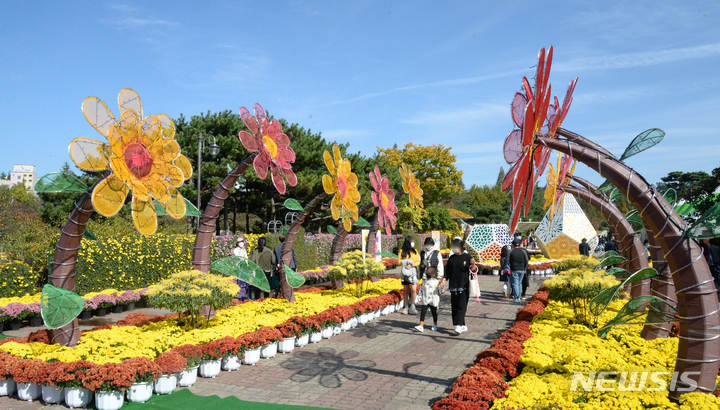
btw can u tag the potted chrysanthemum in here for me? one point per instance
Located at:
(23, 371)
(192, 355)
(7, 384)
(109, 382)
(211, 359)
(51, 393)
(145, 372)
(231, 350)
(171, 364)
(69, 376)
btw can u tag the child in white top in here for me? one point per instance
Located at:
(429, 298)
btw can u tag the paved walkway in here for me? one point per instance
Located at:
(380, 365)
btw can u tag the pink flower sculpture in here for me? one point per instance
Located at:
(384, 198)
(272, 145)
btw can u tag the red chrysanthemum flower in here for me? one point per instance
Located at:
(384, 198)
(272, 145)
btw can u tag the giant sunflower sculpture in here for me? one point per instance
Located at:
(534, 115)
(560, 178)
(272, 145)
(143, 158)
(411, 186)
(343, 183)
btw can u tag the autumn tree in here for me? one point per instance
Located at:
(434, 167)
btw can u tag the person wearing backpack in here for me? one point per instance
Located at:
(430, 257)
(429, 298)
(519, 261)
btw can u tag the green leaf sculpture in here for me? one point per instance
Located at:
(610, 260)
(294, 279)
(685, 209)
(600, 302)
(645, 140)
(670, 195)
(243, 269)
(60, 182)
(708, 226)
(89, 235)
(332, 230)
(284, 231)
(387, 255)
(190, 209)
(59, 307)
(615, 195)
(633, 313)
(362, 222)
(293, 204)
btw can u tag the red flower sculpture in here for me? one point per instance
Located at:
(384, 198)
(534, 115)
(272, 145)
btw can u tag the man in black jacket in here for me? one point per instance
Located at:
(584, 247)
(519, 261)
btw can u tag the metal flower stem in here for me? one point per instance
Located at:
(699, 345)
(633, 248)
(62, 268)
(289, 244)
(208, 220)
(339, 240)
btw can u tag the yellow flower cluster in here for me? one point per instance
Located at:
(581, 279)
(17, 278)
(131, 262)
(252, 239)
(558, 349)
(352, 266)
(120, 343)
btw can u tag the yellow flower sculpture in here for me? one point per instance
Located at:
(411, 186)
(560, 178)
(343, 183)
(142, 155)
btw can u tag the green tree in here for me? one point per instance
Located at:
(437, 218)
(695, 187)
(434, 167)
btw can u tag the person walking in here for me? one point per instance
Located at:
(430, 257)
(264, 258)
(240, 252)
(505, 271)
(584, 247)
(457, 273)
(410, 262)
(610, 245)
(519, 261)
(429, 298)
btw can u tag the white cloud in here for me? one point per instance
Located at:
(464, 115)
(638, 59)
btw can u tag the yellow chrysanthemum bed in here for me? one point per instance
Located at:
(559, 348)
(120, 343)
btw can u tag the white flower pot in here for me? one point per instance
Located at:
(76, 397)
(7, 387)
(302, 340)
(231, 363)
(28, 391)
(363, 318)
(108, 400)
(252, 356)
(353, 322)
(345, 326)
(188, 377)
(287, 345)
(327, 333)
(210, 368)
(496, 272)
(166, 384)
(400, 304)
(376, 314)
(392, 308)
(315, 337)
(139, 392)
(52, 394)
(269, 351)
(337, 330)
(385, 311)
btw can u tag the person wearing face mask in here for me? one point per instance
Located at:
(430, 257)
(410, 263)
(457, 273)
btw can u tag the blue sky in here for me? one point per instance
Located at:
(369, 73)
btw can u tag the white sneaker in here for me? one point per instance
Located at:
(404, 311)
(463, 329)
(434, 328)
(419, 328)
(458, 329)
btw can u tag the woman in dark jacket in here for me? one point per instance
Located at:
(457, 273)
(265, 259)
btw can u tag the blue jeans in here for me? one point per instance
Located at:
(516, 278)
